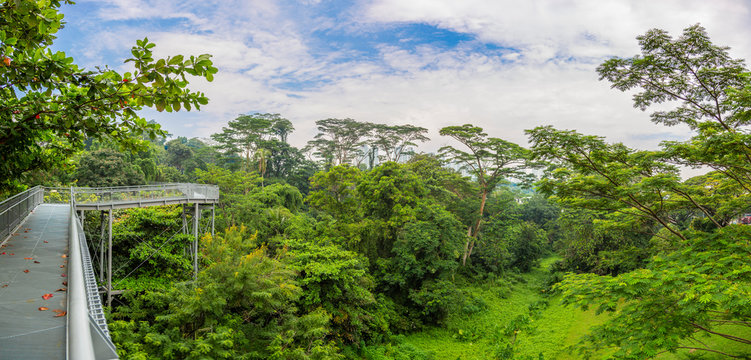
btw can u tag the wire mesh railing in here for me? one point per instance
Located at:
(87, 333)
(14, 209)
(144, 193)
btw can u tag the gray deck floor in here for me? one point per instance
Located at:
(25, 331)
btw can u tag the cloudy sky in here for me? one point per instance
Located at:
(503, 65)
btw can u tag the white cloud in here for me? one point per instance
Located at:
(548, 79)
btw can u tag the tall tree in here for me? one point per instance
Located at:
(490, 161)
(262, 156)
(49, 106)
(281, 128)
(395, 141)
(178, 154)
(244, 135)
(107, 167)
(340, 141)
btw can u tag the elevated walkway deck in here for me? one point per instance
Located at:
(38, 246)
(43, 247)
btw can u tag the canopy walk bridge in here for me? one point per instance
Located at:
(50, 295)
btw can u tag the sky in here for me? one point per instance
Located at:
(505, 66)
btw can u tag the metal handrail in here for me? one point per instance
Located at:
(109, 195)
(87, 332)
(79, 344)
(14, 209)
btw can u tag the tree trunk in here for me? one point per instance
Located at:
(472, 235)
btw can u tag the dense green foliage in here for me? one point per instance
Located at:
(377, 251)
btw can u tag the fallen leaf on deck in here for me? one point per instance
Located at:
(65, 283)
(12, 254)
(62, 313)
(4, 286)
(27, 270)
(42, 308)
(63, 256)
(46, 296)
(62, 289)
(57, 311)
(2, 253)
(62, 266)
(63, 275)
(28, 258)
(36, 262)
(45, 241)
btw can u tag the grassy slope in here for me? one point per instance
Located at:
(558, 327)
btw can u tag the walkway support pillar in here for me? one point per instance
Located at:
(109, 263)
(196, 216)
(212, 219)
(185, 221)
(101, 247)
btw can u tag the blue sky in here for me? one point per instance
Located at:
(503, 65)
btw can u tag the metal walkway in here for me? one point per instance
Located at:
(50, 306)
(32, 265)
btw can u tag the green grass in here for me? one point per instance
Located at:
(555, 330)
(470, 337)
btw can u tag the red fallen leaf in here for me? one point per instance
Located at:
(4, 286)
(12, 254)
(43, 308)
(46, 296)
(57, 311)
(25, 237)
(63, 256)
(45, 241)
(63, 275)
(36, 262)
(3, 253)
(28, 258)
(62, 266)
(62, 313)
(26, 231)
(62, 289)
(27, 270)
(65, 283)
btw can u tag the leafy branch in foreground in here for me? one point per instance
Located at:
(49, 105)
(699, 285)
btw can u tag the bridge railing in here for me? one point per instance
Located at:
(88, 335)
(14, 209)
(108, 195)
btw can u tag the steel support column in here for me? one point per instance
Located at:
(185, 221)
(101, 247)
(109, 263)
(196, 216)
